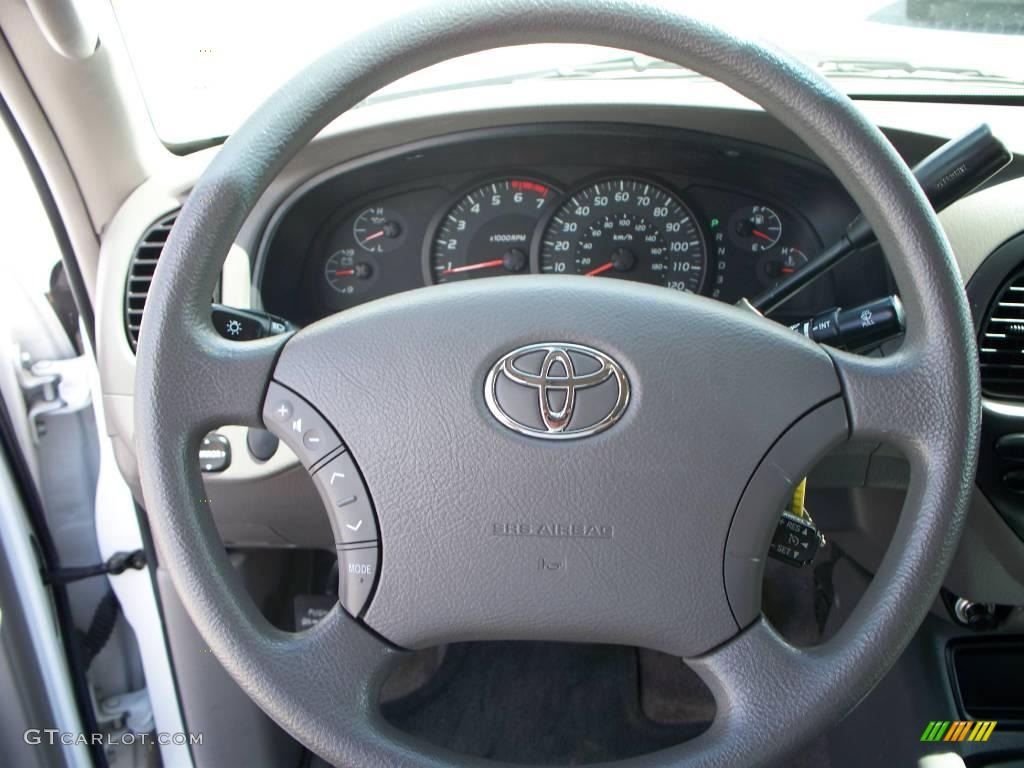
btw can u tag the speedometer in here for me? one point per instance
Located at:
(626, 228)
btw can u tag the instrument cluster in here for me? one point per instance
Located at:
(629, 228)
(681, 231)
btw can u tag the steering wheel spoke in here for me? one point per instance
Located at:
(342, 669)
(226, 381)
(758, 676)
(892, 399)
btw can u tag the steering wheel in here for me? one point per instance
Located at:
(657, 523)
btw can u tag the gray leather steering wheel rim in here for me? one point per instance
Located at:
(771, 697)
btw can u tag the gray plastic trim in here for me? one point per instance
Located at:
(35, 607)
(757, 514)
(235, 731)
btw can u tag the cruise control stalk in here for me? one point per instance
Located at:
(950, 172)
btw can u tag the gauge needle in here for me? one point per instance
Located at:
(599, 270)
(344, 272)
(759, 233)
(374, 236)
(471, 267)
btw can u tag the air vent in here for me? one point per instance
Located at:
(1002, 343)
(140, 274)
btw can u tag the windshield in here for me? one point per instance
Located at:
(203, 66)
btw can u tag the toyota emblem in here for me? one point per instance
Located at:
(556, 391)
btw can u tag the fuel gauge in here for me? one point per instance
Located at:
(755, 228)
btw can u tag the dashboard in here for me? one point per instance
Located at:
(413, 161)
(683, 210)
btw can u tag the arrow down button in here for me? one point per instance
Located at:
(341, 487)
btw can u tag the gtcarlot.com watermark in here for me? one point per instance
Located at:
(54, 736)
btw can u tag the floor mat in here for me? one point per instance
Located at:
(536, 703)
(564, 704)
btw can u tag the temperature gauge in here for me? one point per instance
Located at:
(378, 229)
(777, 266)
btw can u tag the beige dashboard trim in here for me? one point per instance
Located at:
(980, 223)
(54, 163)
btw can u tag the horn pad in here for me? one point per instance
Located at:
(556, 458)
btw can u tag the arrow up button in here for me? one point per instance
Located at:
(342, 489)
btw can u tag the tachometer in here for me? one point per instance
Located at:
(626, 228)
(487, 232)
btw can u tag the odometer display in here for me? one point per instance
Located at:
(626, 228)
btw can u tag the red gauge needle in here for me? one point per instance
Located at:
(471, 267)
(787, 270)
(374, 236)
(599, 270)
(344, 272)
(762, 235)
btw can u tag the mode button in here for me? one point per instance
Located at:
(357, 570)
